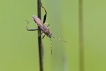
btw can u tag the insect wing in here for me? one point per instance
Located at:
(41, 25)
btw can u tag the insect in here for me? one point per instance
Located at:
(44, 28)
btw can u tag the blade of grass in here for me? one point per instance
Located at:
(81, 43)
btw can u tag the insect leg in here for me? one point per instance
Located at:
(48, 25)
(30, 29)
(51, 45)
(43, 36)
(44, 19)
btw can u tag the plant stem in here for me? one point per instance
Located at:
(81, 43)
(40, 46)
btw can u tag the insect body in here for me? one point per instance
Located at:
(44, 28)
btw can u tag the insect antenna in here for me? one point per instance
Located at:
(51, 45)
(59, 39)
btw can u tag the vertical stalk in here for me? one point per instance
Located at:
(40, 46)
(81, 43)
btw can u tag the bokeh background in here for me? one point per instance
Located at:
(19, 48)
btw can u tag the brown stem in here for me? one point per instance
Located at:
(40, 46)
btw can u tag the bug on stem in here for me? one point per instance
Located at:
(44, 28)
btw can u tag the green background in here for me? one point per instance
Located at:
(19, 48)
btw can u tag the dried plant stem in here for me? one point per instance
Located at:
(40, 46)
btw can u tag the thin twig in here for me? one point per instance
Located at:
(40, 46)
(81, 43)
